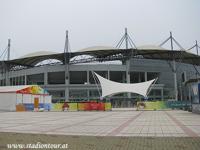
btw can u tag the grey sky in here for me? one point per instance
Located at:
(35, 25)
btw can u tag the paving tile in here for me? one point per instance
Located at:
(149, 123)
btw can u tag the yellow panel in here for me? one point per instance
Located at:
(57, 107)
(108, 106)
(73, 106)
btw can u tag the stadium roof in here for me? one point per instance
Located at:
(150, 47)
(39, 53)
(105, 53)
(33, 58)
(96, 48)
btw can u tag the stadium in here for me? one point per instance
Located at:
(68, 76)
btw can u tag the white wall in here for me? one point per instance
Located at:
(48, 99)
(19, 98)
(28, 98)
(8, 101)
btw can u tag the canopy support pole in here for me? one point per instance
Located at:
(197, 48)
(8, 57)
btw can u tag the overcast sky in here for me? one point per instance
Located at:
(35, 25)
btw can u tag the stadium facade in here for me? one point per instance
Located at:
(69, 75)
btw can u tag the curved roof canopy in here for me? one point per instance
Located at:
(97, 48)
(38, 53)
(98, 51)
(34, 58)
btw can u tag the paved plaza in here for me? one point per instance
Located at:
(175, 123)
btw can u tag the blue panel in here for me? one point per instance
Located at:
(41, 105)
(30, 106)
(47, 107)
(199, 91)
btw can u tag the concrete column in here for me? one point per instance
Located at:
(7, 78)
(108, 74)
(175, 81)
(181, 92)
(88, 82)
(189, 93)
(25, 79)
(88, 94)
(88, 77)
(145, 76)
(162, 95)
(67, 93)
(67, 82)
(128, 74)
(45, 78)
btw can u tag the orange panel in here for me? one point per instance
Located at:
(81, 106)
(20, 107)
(36, 102)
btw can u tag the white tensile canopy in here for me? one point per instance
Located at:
(110, 87)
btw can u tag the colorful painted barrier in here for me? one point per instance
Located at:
(30, 107)
(83, 106)
(160, 105)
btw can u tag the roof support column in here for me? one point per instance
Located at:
(145, 76)
(88, 77)
(45, 78)
(66, 63)
(128, 74)
(108, 72)
(162, 94)
(25, 79)
(174, 70)
(175, 81)
(66, 82)
(7, 75)
(7, 78)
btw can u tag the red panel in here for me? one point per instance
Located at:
(94, 106)
(87, 106)
(101, 106)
